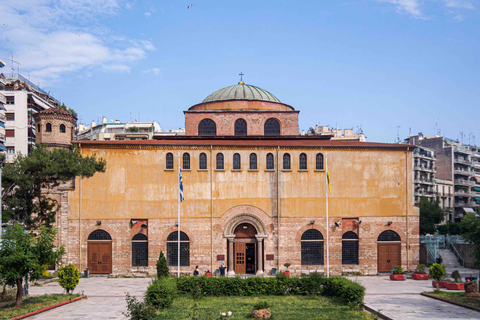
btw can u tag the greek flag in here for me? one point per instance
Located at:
(181, 184)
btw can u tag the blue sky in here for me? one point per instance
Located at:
(370, 63)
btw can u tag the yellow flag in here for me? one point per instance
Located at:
(328, 180)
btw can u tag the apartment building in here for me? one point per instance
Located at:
(337, 134)
(116, 130)
(22, 100)
(3, 102)
(444, 191)
(424, 173)
(459, 164)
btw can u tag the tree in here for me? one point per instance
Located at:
(430, 214)
(471, 233)
(162, 268)
(436, 271)
(22, 254)
(68, 277)
(69, 110)
(29, 180)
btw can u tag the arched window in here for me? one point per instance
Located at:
(203, 161)
(48, 127)
(388, 235)
(253, 161)
(38, 127)
(99, 235)
(186, 161)
(272, 127)
(240, 127)
(139, 250)
(169, 161)
(172, 249)
(62, 128)
(312, 248)
(220, 165)
(207, 127)
(286, 161)
(270, 163)
(303, 161)
(319, 162)
(349, 248)
(237, 162)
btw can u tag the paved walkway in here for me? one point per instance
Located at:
(106, 298)
(402, 300)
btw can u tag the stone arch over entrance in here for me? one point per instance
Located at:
(99, 252)
(245, 251)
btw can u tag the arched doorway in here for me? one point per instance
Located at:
(245, 249)
(99, 247)
(388, 251)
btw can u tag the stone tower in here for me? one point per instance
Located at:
(55, 128)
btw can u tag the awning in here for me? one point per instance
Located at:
(468, 210)
(478, 179)
(2, 147)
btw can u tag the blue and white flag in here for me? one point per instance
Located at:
(181, 184)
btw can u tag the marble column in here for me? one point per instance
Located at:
(260, 238)
(231, 257)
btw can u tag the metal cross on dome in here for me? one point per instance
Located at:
(241, 76)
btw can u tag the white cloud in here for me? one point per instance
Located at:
(155, 71)
(411, 7)
(147, 14)
(459, 4)
(44, 37)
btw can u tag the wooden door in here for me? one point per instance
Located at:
(100, 257)
(240, 267)
(388, 256)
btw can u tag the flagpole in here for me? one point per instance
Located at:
(178, 231)
(328, 226)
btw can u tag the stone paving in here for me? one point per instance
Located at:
(396, 299)
(402, 300)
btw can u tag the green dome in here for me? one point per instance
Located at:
(241, 91)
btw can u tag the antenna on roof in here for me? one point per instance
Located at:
(18, 64)
(398, 134)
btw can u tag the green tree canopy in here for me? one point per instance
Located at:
(28, 181)
(430, 214)
(22, 254)
(471, 233)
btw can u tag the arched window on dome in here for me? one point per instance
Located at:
(272, 127)
(63, 128)
(207, 127)
(48, 127)
(240, 127)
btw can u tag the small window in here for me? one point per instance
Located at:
(39, 127)
(10, 133)
(286, 161)
(319, 162)
(140, 250)
(48, 127)
(186, 161)
(350, 248)
(203, 161)
(312, 248)
(10, 150)
(169, 161)
(303, 161)
(10, 116)
(388, 235)
(271, 127)
(220, 161)
(172, 249)
(240, 127)
(11, 100)
(270, 163)
(207, 127)
(237, 163)
(253, 161)
(99, 235)
(62, 128)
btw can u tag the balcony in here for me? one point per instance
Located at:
(3, 99)
(461, 160)
(464, 172)
(463, 150)
(463, 204)
(464, 194)
(463, 182)
(3, 83)
(476, 164)
(2, 137)
(424, 181)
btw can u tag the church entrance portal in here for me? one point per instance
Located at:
(245, 249)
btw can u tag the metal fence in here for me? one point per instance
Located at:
(433, 244)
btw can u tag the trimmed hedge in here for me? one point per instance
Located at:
(161, 292)
(348, 291)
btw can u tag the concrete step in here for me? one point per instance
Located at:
(451, 263)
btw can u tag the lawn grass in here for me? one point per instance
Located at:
(33, 303)
(457, 297)
(281, 307)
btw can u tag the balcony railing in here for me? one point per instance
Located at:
(463, 182)
(464, 194)
(2, 137)
(3, 99)
(464, 172)
(465, 204)
(462, 150)
(424, 181)
(461, 160)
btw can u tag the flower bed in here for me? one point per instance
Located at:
(398, 277)
(455, 286)
(441, 284)
(417, 276)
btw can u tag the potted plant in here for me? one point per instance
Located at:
(287, 272)
(437, 272)
(261, 310)
(398, 274)
(457, 284)
(420, 274)
(471, 288)
(208, 274)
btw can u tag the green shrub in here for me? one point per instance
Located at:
(398, 270)
(68, 277)
(350, 292)
(437, 272)
(456, 276)
(261, 305)
(138, 310)
(421, 268)
(161, 292)
(162, 268)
